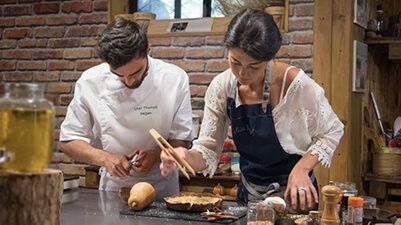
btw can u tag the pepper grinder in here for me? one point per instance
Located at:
(330, 198)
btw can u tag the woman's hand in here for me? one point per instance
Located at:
(300, 190)
(167, 162)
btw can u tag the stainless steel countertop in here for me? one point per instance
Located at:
(102, 207)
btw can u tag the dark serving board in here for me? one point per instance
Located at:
(159, 209)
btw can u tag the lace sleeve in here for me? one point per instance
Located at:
(214, 126)
(329, 130)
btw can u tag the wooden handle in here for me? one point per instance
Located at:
(175, 155)
(159, 140)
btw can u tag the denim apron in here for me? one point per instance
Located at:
(264, 164)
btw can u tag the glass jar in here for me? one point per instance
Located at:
(313, 218)
(26, 128)
(260, 214)
(355, 210)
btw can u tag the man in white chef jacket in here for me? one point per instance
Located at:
(117, 102)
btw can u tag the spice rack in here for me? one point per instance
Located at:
(201, 184)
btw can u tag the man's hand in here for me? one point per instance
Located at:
(117, 165)
(148, 158)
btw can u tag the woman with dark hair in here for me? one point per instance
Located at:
(281, 122)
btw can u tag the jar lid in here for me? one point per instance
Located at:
(355, 201)
(234, 159)
(314, 214)
(225, 158)
(228, 144)
(23, 86)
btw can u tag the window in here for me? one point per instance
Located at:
(170, 9)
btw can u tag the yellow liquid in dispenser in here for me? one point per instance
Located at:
(27, 137)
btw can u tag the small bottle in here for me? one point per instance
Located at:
(225, 163)
(228, 145)
(380, 20)
(355, 210)
(313, 218)
(343, 209)
(235, 169)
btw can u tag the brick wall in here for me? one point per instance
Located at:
(52, 42)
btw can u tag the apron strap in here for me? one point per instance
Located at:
(266, 87)
(254, 194)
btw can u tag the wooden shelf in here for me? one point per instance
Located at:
(158, 28)
(382, 178)
(392, 46)
(383, 40)
(201, 183)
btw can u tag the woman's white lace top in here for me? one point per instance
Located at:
(304, 120)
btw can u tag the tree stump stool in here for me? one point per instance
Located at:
(31, 198)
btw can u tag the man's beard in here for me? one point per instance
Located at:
(136, 84)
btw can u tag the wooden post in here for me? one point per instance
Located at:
(31, 198)
(322, 39)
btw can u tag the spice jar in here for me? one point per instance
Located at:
(225, 164)
(355, 210)
(313, 218)
(260, 214)
(26, 128)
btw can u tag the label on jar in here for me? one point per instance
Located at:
(355, 215)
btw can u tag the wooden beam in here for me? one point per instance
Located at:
(322, 32)
(158, 28)
(322, 38)
(341, 81)
(355, 150)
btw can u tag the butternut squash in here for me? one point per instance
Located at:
(234, 191)
(218, 190)
(142, 194)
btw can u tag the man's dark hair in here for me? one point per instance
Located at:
(121, 41)
(255, 32)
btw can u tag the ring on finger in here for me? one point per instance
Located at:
(301, 189)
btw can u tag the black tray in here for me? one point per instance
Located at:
(159, 209)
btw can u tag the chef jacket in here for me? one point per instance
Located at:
(110, 116)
